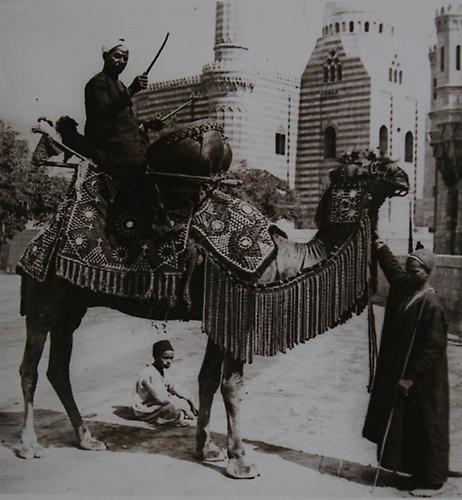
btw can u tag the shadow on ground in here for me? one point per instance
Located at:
(54, 430)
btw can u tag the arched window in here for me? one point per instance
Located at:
(390, 74)
(366, 26)
(380, 28)
(409, 147)
(395, 75)
(337, 28)
(383, 140)
(458, 57)
(442, 59)
(326, 74)
(352, 26)
(329, 142)
(400, 76)
(332, 73)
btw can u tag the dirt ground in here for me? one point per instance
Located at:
(301, 418)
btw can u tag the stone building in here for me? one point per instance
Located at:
(446, 130)
(355, 93)
(259, 109)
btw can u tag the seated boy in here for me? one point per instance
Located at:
(155, 399)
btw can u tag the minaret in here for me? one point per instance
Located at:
(446, 128)
(230, 31)
(228, 81)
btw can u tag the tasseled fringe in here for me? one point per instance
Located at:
(247, 319)
(160, 286)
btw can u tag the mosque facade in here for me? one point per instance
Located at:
(355, 94)
(258, 109)
(444, 190)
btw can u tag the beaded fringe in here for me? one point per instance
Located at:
(246, 319)
(159, 286)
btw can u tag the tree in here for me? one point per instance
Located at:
(26, 192)
(270, 194)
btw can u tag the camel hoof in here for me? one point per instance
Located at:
(211, 453)
(238, 469)
(30, 450)
(88, 442)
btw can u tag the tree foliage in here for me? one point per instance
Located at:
(270, 194)
(26, 192)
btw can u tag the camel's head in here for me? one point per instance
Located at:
(361, 182)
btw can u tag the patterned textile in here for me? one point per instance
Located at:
(236, 232)
(346, 204)
(103, 237)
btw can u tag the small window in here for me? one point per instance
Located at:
(395, 75)
(380, 28)
(383, 140)
(458, 57)
(435, 84)
(343, 26)
(400, 77)
(339, 72)
(332, 73)
(409, 147)
(366, 26)
(337, 28)
(326, 74)
(352, 26)
(280, 142)
(442, 59)
(390, 74)
(329, 142)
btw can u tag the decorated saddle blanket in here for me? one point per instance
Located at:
(105, 237)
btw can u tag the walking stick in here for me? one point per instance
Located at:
(395, 397)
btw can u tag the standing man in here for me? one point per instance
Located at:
(415, 328)
(112, 131)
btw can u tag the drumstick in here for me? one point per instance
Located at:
(157, 55)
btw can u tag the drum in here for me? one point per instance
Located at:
(198, 148)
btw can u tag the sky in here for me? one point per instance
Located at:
(49, 49)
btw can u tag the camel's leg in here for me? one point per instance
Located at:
(58, 374)
(231, 389)
(209, 381)
(35, 341)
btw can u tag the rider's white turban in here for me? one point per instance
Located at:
(112, 44)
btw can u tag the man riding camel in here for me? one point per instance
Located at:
(112, 131)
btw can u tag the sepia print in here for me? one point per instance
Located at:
(230, 248)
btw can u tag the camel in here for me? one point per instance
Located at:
(56, 306)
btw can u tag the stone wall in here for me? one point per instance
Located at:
(447, 280)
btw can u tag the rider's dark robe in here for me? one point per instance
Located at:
(418, 440)
(111, 129)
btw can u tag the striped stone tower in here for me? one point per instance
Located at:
(446, 129)
(258, 108)
(354, 94)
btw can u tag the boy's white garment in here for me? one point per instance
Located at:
(150, 388)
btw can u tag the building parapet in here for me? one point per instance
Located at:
(178, 82)
(224, 66)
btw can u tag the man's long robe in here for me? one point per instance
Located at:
(418, 440)
(111, 129)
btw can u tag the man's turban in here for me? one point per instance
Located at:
(112, 44)
(424, 257)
